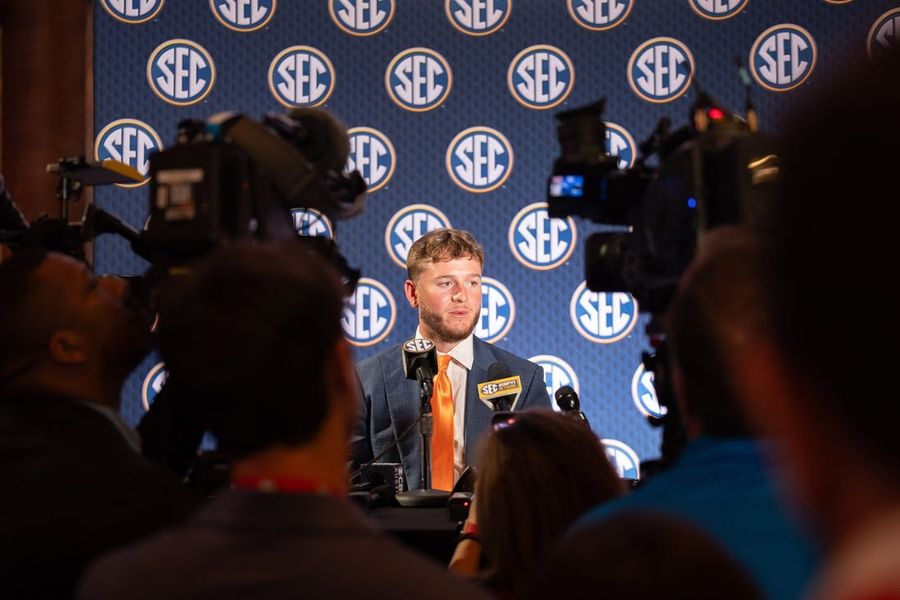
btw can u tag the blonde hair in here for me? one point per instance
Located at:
(441, 245)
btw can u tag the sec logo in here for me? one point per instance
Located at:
(618, 143)
(409, 224)
(660, 70)
(643, 394)
(369, 313)
(243, 15)
(132, 11)
(718, 10)
(310, 222)
(373, 155)
(599, 15)
(603, 317)
(623, 459)
(782, 57)
(153, 383)
(479, 159)
(884, 34)
(418, 345)
(539, 242)
(301, 76)
(418, 79)
(181, 72)
(478, 17)
(128, 141)
(541, 77)
(361, 17)
(498, 311)
(557, 373)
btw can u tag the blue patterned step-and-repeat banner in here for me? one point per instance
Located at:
(450, 107)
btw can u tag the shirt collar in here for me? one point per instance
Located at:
(463, 353)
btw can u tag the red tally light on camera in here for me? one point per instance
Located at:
(716, 114)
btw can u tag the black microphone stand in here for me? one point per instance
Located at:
(425, 497)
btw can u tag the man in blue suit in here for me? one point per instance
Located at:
(444, 285)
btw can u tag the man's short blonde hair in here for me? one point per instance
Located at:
(441, 245)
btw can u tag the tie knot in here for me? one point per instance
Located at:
(443, 362)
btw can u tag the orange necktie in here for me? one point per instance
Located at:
(442, 437)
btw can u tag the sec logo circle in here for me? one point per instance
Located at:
(624, 460)
(132, 12)
(418, 79)
(128, 141)
(301, 76)
(540, 77)
(312, 223)
(660, 70)
(782, 57)
(884, 35)
(718, 10)
(373, 155)
(498, 311)
(153, 384)
(478, 17)
(243, 15)
(599, 15)
(409, 224)
(181, 72)
(557, 373)
(361, 17)
(479, 159)
(369, 313)
(618, 143)
(539, 242)
(643, 394)
(603, 317)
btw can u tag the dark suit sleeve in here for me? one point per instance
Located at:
(534, 389)
(361, 440)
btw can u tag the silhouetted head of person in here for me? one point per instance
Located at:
(535, 477)
(65, 331)
(251, 338)
(642, 556)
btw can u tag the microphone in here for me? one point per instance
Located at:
(420, 364)
(567, 401)
(502, 388)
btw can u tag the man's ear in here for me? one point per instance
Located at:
(411, 293)
(67, 347)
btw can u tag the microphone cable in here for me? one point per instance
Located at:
(396, 443)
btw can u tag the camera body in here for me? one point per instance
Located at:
(716, 171)
(231, 178)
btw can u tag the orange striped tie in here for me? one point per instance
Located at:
(442, 437)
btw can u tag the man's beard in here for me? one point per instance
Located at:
(434, 322)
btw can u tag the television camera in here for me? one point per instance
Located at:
(226, 178)
(717, 170)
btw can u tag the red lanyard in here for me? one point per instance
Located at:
(285, 485)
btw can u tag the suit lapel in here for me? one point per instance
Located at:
(404, 410)
(478, 414)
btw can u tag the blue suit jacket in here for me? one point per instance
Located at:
(390, 404)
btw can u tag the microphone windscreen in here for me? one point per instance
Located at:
(567, 399)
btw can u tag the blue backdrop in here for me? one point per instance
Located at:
(450, 104)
